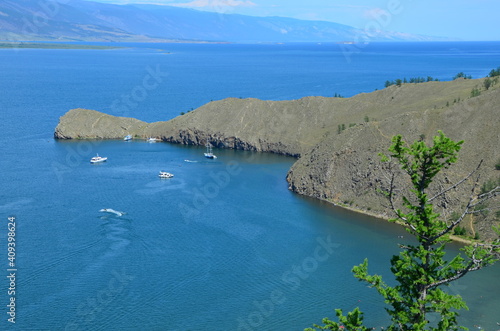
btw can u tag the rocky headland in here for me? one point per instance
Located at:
(337, 140)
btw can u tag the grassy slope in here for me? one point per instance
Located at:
(300, 124)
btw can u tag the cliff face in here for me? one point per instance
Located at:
(337, 140)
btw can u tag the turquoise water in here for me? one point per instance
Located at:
(221, 246)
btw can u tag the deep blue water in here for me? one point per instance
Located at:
(221, 246)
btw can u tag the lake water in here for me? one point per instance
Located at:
(221, 246)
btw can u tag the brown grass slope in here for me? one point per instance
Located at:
(286, 127)
(345, 168)
(90, 124)
(294, 127)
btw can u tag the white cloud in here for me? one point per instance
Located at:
(375, 13)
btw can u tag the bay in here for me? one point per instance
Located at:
(221, 246)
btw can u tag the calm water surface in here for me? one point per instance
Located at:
(221, 246)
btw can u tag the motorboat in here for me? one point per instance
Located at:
(128, 137)
(153, 140)
(98, 159)
(164, 174)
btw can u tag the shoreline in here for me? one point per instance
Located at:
(387, 219)
(42, 45)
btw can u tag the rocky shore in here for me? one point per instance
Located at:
(336, 140)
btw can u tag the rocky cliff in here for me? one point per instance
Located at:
(337, 140)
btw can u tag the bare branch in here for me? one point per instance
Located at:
(458, 183)
(485, 197)
(490, 194)
(493, 246)
(474, 264)
(467, 210)
(459, 275)
(483, 210)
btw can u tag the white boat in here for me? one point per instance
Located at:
(209, 154)
(98, 159)
(128, 137)
(153, 140)
(164, 174)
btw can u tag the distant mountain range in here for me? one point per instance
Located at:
(78, 20)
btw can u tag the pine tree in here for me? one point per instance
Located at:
(421, 270)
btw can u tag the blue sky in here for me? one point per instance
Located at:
(463, 19)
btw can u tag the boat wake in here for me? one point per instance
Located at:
(190, 161)
(112, 211)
